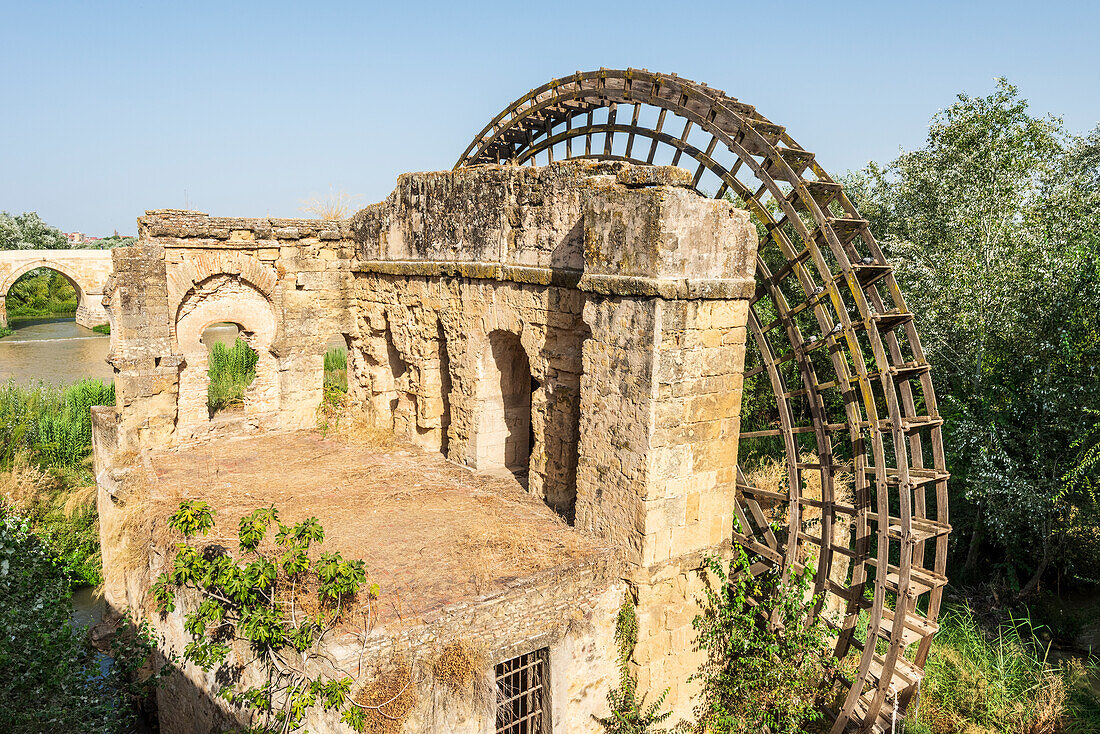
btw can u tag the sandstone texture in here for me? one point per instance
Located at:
(577, 330)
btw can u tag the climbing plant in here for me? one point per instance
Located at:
(629, 714)
(277, 599)
(766, 655)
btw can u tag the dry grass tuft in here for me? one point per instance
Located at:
(459, 667)
(26, 489)
(332, 206)
(340, 418)
(516, 548)
(387, 700)
(80, 499)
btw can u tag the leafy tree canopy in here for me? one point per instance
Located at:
(994, 228)
(27, 231)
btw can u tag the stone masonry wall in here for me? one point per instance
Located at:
(626, 291)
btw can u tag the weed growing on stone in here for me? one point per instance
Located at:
(629, 714)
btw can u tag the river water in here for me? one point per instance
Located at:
(60, 351)
(55, 350)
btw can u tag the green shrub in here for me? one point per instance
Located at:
(766, 664)
(102, 329)
(51, 680)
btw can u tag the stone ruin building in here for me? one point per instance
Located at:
(560, 350)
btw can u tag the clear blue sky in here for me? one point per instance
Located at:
(109, 109)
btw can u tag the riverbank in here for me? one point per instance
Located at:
(45, 472)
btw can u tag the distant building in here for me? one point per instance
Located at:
(79, 238)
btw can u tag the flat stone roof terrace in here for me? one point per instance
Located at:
(432, 533)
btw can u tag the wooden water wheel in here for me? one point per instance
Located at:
(850, 417)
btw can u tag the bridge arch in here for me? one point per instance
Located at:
(853, 420)
(85, 270)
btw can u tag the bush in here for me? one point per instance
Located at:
(765, 662)
(51, 680)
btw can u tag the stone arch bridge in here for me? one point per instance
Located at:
(86, 270)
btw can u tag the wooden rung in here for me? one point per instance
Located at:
(909, 370)
(789, 265)
(890, 319)
(921, 528)
(909, 424)
(917, 477)
(835, 506)
(903, 669)
(916, 628)
(797, 159)
(757, 492)
(846, 229)
(837, 548)
(831, 427)
(867, 275)
(921, 580)
(822, 192)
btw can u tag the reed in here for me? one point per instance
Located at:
(52, 425)
(232, 370)
(45, 473)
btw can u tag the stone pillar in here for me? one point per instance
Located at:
(146, 370)
(90, 311)
(3, 310)
(671, 274)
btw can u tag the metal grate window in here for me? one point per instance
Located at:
(523, 695)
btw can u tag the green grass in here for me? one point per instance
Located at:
(45, 464)
(1001, 680)
(102, 329)
(232, 370)
(5, 331)
(336, 369)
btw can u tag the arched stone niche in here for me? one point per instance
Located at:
(224, 298)
(504, 431)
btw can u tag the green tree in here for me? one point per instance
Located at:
(278, 601)
(994, 226)
(27, 231)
